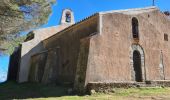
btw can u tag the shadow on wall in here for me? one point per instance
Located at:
(25, 63)
(12, 90)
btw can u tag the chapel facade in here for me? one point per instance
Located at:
(122, 46)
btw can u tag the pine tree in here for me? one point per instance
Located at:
(21, 15)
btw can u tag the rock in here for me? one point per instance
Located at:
(92, 92)
(113, 91)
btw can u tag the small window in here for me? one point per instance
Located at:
(29, 36)
(166, 37)
(135, 29)
(68, 17)
(148, 15)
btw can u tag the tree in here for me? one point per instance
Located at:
(10, 46)
(20, 15)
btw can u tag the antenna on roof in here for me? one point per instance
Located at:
(153, 3)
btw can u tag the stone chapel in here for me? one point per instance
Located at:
(120, 46)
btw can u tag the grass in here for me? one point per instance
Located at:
(33, 91)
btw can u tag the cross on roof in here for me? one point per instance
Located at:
(153, 3)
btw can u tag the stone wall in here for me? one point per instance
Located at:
(38, 62)
(110, 87)
(51, 67)
(79, 83)
(110, 51)
(34, 46)
(68, 44)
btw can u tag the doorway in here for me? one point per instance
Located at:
(137, 66)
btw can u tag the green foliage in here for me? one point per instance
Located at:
(9, 46)
(21, 15)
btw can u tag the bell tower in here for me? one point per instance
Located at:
(67, 17)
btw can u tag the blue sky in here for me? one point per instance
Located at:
(84, 8)
(3, 67)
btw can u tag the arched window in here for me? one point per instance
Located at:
(135, 28)
(68, 17)
(166, 37)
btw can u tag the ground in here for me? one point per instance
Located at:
(32, 91)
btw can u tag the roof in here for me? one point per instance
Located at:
(132, 11)
(71, 26)
(126, 11)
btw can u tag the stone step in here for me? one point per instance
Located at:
(143, 84)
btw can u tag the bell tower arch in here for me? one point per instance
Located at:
(67, 17)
